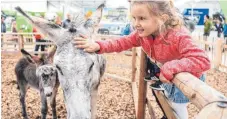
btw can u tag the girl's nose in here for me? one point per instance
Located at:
(137, 23)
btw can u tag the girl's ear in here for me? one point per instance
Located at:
(164, 17)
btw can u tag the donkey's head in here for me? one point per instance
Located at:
(79, 25)
(48, 78)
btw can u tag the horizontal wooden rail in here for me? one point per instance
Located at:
(118, 65)
(24, 33)
(205, 42)
(17, 51)
(223, 66)
(113, 76)
(25, 43)
(201, 94)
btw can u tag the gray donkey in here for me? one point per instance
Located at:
(79, 72)
(33, 72)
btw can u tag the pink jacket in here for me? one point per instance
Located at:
(178, 53)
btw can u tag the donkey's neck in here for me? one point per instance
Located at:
(76, 94)
(78, 104)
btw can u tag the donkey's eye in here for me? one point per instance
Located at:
(45, 76)
(52, 25)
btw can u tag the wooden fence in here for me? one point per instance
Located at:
(212, 104)
(216, 49)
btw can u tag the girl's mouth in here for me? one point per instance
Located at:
(140, 31)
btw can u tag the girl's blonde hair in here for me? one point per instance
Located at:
(159, 8)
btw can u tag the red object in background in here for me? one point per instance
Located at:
(37, 36)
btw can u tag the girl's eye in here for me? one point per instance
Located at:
(142, 18)
(133, 18)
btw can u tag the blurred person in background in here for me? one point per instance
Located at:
(219, 27)
(3, 25)
(207, 29)
(58, 21)
(127, 29)
(39, 39)
(66, 21)
(14, 30)
(3, 28)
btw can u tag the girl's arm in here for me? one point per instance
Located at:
(120, 44)
(193, 60)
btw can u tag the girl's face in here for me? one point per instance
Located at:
(145, 23)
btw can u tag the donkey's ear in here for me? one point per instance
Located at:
(27, 55)
(95, 19)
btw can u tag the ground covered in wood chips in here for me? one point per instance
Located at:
(115, 96)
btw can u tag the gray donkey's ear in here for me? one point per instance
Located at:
(27, 55)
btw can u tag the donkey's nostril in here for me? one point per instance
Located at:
(49, 94)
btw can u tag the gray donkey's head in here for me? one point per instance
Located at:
(46, 73)
(79, 25)
(48, 78)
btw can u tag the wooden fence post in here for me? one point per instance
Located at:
(142, 88)
(21, 42)
(134, 85)
(2, 40)
(134, 64)
(218, 53)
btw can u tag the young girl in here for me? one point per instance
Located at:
(160, 32)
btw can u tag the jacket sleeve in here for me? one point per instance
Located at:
(120, 44)
(193, 60)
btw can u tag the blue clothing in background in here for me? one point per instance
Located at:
(219, 29)
(3, 27)
(127, 30)
(225, 29)
(66, 23)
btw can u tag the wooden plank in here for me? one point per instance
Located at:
(222, 66)
(165, 105)
(39, 43)
(150, 110)
(199, 93)
(218, 53)
(212, 111)
(124, 66)
(135, 96)
(225, 46)
(117, 77)
(134, 64)
(20, 33)
(142, 88)
(205, 42)
(128, 53)
(17, 51)
(10, 43)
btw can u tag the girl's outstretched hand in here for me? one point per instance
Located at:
(163, 79)
(82, 42)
